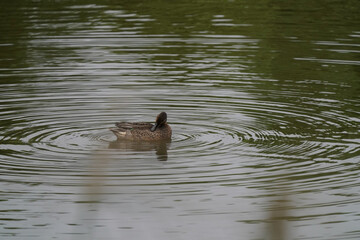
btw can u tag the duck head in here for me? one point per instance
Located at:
(160, 121)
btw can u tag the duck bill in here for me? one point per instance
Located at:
(153, 128)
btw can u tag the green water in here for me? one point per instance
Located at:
(262, 96)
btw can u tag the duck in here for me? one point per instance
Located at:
(143, 131)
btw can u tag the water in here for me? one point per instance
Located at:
(263, 99)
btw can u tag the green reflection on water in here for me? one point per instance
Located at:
(291, 66)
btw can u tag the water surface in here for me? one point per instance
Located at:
(263, 100)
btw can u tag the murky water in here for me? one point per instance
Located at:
(263, 100)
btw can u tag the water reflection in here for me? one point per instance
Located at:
(257, 104)
(160, 147)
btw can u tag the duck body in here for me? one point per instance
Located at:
(142, 131)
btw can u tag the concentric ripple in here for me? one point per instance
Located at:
(217, 124)
(262, 109)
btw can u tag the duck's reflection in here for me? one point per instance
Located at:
(160, 147)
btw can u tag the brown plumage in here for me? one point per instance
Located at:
(144, 131)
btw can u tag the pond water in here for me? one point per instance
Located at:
(263, 99)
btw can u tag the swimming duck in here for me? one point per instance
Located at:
(144, 131)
